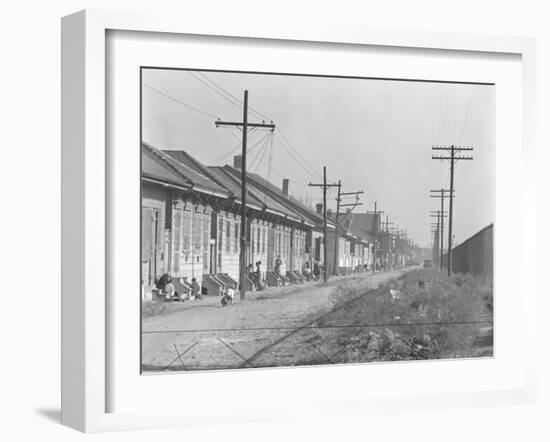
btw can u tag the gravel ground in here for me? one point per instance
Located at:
(274, 327)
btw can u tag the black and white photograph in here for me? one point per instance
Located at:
(303, 220)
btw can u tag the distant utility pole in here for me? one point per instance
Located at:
(376, 212)
(441, 194)
(440, 222)
(325, 186)
(435, 231)
(435, 248)
(245, 125)
(336, 266)
(451, 155)
(387, 224)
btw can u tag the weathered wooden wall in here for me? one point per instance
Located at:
(475, 255)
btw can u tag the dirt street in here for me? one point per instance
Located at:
(274, 327)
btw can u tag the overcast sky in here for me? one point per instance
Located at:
(373, 135)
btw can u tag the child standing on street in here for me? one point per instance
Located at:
(227, 298)
(196, 289)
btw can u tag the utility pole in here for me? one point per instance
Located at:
(244, 125)
(324, 186)
(388, 224)
(389, 234)
(440, 222)
(335, 269)
(435, 248)
(336, 266)
(441, 194)
(453, 158)
(376, 212)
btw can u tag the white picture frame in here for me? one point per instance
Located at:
(85, 201)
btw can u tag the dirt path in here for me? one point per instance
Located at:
(270, 328)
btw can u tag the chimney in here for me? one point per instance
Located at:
(238, 162)
(329, 212)
(285, 186)
(319, 208)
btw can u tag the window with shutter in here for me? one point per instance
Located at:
(177, 239)
(197, 234)
(220, 242)
(228, 237)
(237, 237)
(205, 242)
(146, 239)
(186, 231)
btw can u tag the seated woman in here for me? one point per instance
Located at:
(166, 288)
(170, 292)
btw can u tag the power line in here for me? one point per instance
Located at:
(261, 151)
(299, 183)
(233, 102)
(229, 96)
(468, 114)
(305, 163)
(234, 149)
(181, 103)
(236, 102)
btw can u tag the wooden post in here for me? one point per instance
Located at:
(325, 254)
(242, 255)
(336, 266)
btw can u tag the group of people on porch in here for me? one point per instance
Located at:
(186, 291)
(192, 291)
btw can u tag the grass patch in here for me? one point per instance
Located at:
(424, 314)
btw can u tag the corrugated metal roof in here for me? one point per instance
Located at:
(192, 176)
(305, 212)
(154, 168)
(233, 186)
(192, 173)
(259, 194)
(229, 178)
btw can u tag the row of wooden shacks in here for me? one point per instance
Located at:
(190, 224)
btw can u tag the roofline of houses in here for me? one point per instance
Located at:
(285, 200)
(303, 215)
(164, 183)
